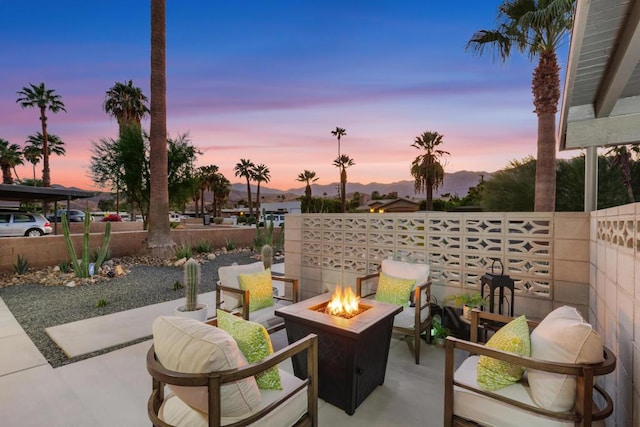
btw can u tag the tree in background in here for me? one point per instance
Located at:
(427, 169)
(245, 169)
(10, 157)
(260, 173)
(622, 156)
(33, 150)
(159, 237)
(125, 162)
(127, 104)
(307, 177)
(205, 176)
(343, 162)
(182, 174)
(221, 189)
(535, 28)
(339, 133)
(44, 99)
(512, 188)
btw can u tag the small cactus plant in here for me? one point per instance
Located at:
(267, 256)
(192, 281)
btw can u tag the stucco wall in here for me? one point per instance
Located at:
(49, 250)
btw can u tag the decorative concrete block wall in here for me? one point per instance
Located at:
(546, 253)
(614, 296)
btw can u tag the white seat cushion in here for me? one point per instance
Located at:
(491, 412)
(228, 276)
(562, 336)
(190, 346)
(175, 412)
(406, 318)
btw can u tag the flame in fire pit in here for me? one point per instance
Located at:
(343, 302)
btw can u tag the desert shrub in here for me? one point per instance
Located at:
(203, 246)
(183, 251)
(218, 220)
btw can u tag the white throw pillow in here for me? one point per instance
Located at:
(228, 276)
(405, 270)
(562, 336)
(190, 346)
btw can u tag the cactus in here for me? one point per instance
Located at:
(82, 269)
(267, 256)
(192, 281)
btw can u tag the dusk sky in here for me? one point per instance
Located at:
(268, 81)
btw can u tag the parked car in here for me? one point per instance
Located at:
(278, 220)
(14, 223)
(74, 215)
(176, 217)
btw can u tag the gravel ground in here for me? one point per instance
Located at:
(37, 307)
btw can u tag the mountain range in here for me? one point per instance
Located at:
(457, 183)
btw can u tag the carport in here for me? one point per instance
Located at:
(22, 193)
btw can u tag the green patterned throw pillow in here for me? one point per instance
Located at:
(513, 337)
(254, 343)
(394, 290)
(260, 289)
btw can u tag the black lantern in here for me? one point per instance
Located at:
(497, 282)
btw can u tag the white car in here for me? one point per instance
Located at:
(278, 220)
(23, 224)
(176, 217)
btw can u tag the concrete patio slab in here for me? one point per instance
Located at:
(97, 333)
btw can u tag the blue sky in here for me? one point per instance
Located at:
(269, 80)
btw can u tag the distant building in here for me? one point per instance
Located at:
(392, 205)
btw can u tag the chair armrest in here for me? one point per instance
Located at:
(244, 295)
(584, 373)
(294, 286)
(214, 380)
(361, 279)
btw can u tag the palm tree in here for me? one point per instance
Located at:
(126, 103)
(44, 99)
(261, 173)
(308, 177)
(426, 168)
(339, 133)
(32, 154)
(207, 176)
(622, 155)
(536, 28)
(33, 151)
(159, 241)
(343, 162)
(10, 157)
(221, 190)
(245, 169)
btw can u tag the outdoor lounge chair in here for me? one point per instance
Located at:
(552, 391)
(232, 298)
(415, 318)
(212, 384)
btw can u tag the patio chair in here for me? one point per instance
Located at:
(558, 387)
(212, 384)
(406, 284)
(255, 301)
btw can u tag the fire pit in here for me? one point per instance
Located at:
(352, 352)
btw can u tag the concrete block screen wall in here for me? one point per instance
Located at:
(546, 253)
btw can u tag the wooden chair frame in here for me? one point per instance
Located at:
(585, 410)
(245, 295)
(214, 380)
(419, 305)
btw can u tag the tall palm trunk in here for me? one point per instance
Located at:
(625, 166)
(249, 197)
(429, 191)
(546, 93)
(159, 240)
(343, 190)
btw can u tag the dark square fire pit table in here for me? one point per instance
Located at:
(352, 353)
